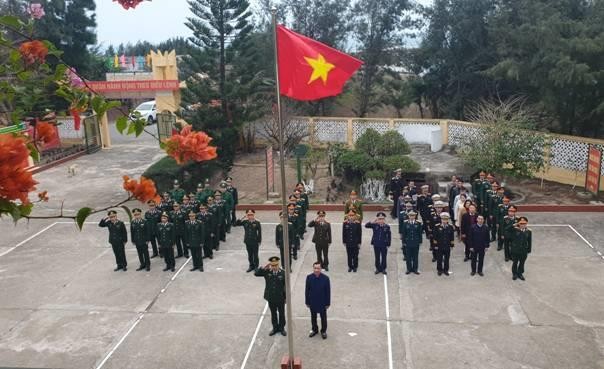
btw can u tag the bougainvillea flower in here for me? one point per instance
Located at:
(190, 145)
(15, 180)
(45, 132)
(127, 4)
(143, 190)
(33, 51)
(73, 78)
(36, 11)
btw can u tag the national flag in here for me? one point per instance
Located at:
(310, 70)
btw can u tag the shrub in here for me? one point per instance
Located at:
(166, 170)
(390, 163)
(354, 164)
(375, 174)
(393, 143)
(369, 142)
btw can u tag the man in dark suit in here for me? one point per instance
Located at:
(351, 237)
(141, 230)
(479, 239)
(321, 238)
(411, 235)
(274, 293)
(118, 236)
(381, 241)
(443, 240)
(193, 238)
(166, 237)
(318, 299)
(467, 221)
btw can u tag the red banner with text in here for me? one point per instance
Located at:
(594, 165)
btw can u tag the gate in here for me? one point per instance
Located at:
(165, 125)
(92, 134)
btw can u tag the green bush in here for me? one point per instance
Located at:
(354, 164)
(375, 174)
(369, 142)
(166, 170)
(390, 163)
(393, 143)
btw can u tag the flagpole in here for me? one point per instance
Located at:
(284, 221)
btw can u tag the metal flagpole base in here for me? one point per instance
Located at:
(285, 363)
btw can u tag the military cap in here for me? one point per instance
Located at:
(435, 197)
(407, 197)
(425, 187)
(175, 204)
(185, 197)
(274, 260)
(523, 220)
(200, 185)
(210, 197)
(192, 212)
(292, 197)
(217, 192)
(353, 192)
(151, 202)
(250, 211)
(412, 212)
(112, 212)
(408, 204)
(291, 205)
(165, 193)
(164, 214)
(321, 212)
(223, 183)
(490, 175)
(136, 210)
(444, 215)
(176, 182)
(397, 170)
(229, 179)
(439, 204)
(381, 215)
(513, 207)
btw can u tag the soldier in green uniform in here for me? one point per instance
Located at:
(291, 235)
(477, 187)
(153, 216)
(321, 238)
(221, 211)
(355, 204)
(177, 193)
(303, 208)
(165, 205)
(140, 233)
(412, 239)
(193, 202)
(252, 237)
(274, 293)
(521, 247)
(166, 237)
(495, 197)
(178, 218)
(213, 210)
(502, 211)
(186, 206)
(229, 204)
(194, 238)
(207, 222)
(235, 195)
(294, 219)
(118, 236)
(509, 221)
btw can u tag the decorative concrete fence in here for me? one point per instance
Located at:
(569, 153)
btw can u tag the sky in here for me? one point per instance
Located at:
(152, 21)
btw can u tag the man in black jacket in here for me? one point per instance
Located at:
(274, 293)
(443, 239)
(351, 236)
(118, 236)
(479, 238)
(141, 230)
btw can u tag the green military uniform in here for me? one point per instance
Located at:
(303, 206)
(521, 247)
(229, 205)
(177, 193)
(296, 222)
(252, 239)
(214, 210)
(507, 234)
(194, 237)
(178, 218)
(118, 236)
(274, 294)
(500, 214)
(166, 237)
(141, 232)
(494, 201)
(202, 196)
(291, 233)
(221, 218)
(207, 223)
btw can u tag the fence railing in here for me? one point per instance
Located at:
(567, 164)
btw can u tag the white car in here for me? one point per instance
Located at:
(148, 111)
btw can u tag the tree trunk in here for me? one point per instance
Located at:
(223, 98)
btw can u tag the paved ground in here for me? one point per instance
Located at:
(62, 306)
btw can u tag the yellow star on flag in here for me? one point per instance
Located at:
(320, 68)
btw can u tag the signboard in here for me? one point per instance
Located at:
(594, 162)
(270, 171)
(132, 86)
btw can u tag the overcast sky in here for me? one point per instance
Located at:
(153, 21)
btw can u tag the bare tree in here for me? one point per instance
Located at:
(295, 130)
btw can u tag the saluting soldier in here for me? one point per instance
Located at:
(140, 233)
(443, 239)
(380, 240)
(252, 237)
(178, 218)
(396, 187)
(353, 203)
(166, 236)
(294, 218)
(521, 247)
(206, 220)
(507, 232)
(194, 237)
(177, 193)
(274, 293)
(412, 239)
(291, 235)
(229, 205)
(165, 205)
(235, 195)
(351, 237)
(118, 236)
(153, 216)
(321, 238)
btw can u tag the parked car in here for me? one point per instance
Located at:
(148, 111)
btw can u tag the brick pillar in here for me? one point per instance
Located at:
(285, 363)
(349, 137)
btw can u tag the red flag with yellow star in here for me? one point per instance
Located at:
(310, 70)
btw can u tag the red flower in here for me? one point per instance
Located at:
(15, 180)
(127, 4)
(33, 51)
(190, 145)
(143, 191)
(45, 132)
